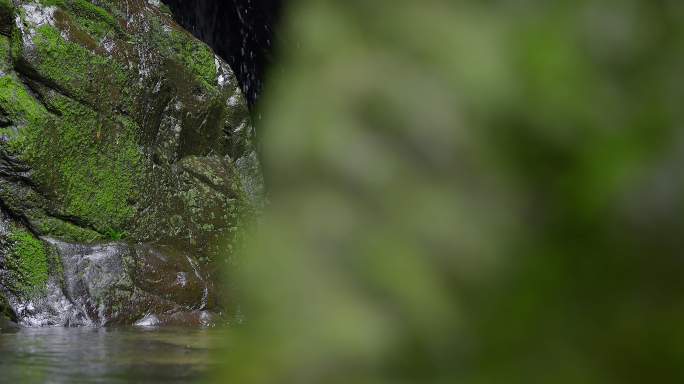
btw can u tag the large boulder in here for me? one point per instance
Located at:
(125, 152)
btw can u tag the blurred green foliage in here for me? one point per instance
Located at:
(470, 192)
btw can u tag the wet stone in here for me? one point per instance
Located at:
(116, 283)
(127, 165)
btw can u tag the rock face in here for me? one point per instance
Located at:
(126, 162)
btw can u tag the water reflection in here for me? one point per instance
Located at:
(89, 355)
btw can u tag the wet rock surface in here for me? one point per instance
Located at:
(126, 162)
(118, 283)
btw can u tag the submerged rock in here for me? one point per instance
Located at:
(126, 158)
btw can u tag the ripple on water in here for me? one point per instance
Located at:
(106, 355)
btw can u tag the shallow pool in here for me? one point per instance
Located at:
(107, 355)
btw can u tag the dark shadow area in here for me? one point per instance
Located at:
(240, 31)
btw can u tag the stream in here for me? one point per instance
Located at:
(107, 355)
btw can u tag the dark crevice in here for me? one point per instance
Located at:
(14, 171)
(4, 119)
(76, 221)
(32, 79)
(34, 87)
(37, 84)
(17, 218)
(240, 31)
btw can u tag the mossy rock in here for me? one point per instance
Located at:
(27, 262)
(104, 101)
(117, 125)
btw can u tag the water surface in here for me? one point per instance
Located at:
(107, 355)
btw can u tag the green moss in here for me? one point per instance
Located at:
(115, 234)
(165, 9)
(87, 163)
(91, 11)
(29, 203)
(60, 229)
(83, 8)
(27, 261)
(88, 16)
(83, 161)
(21, 108)
(89, 77)
(16, 47)
(5, 56)
(18, 103)
(195, 55)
